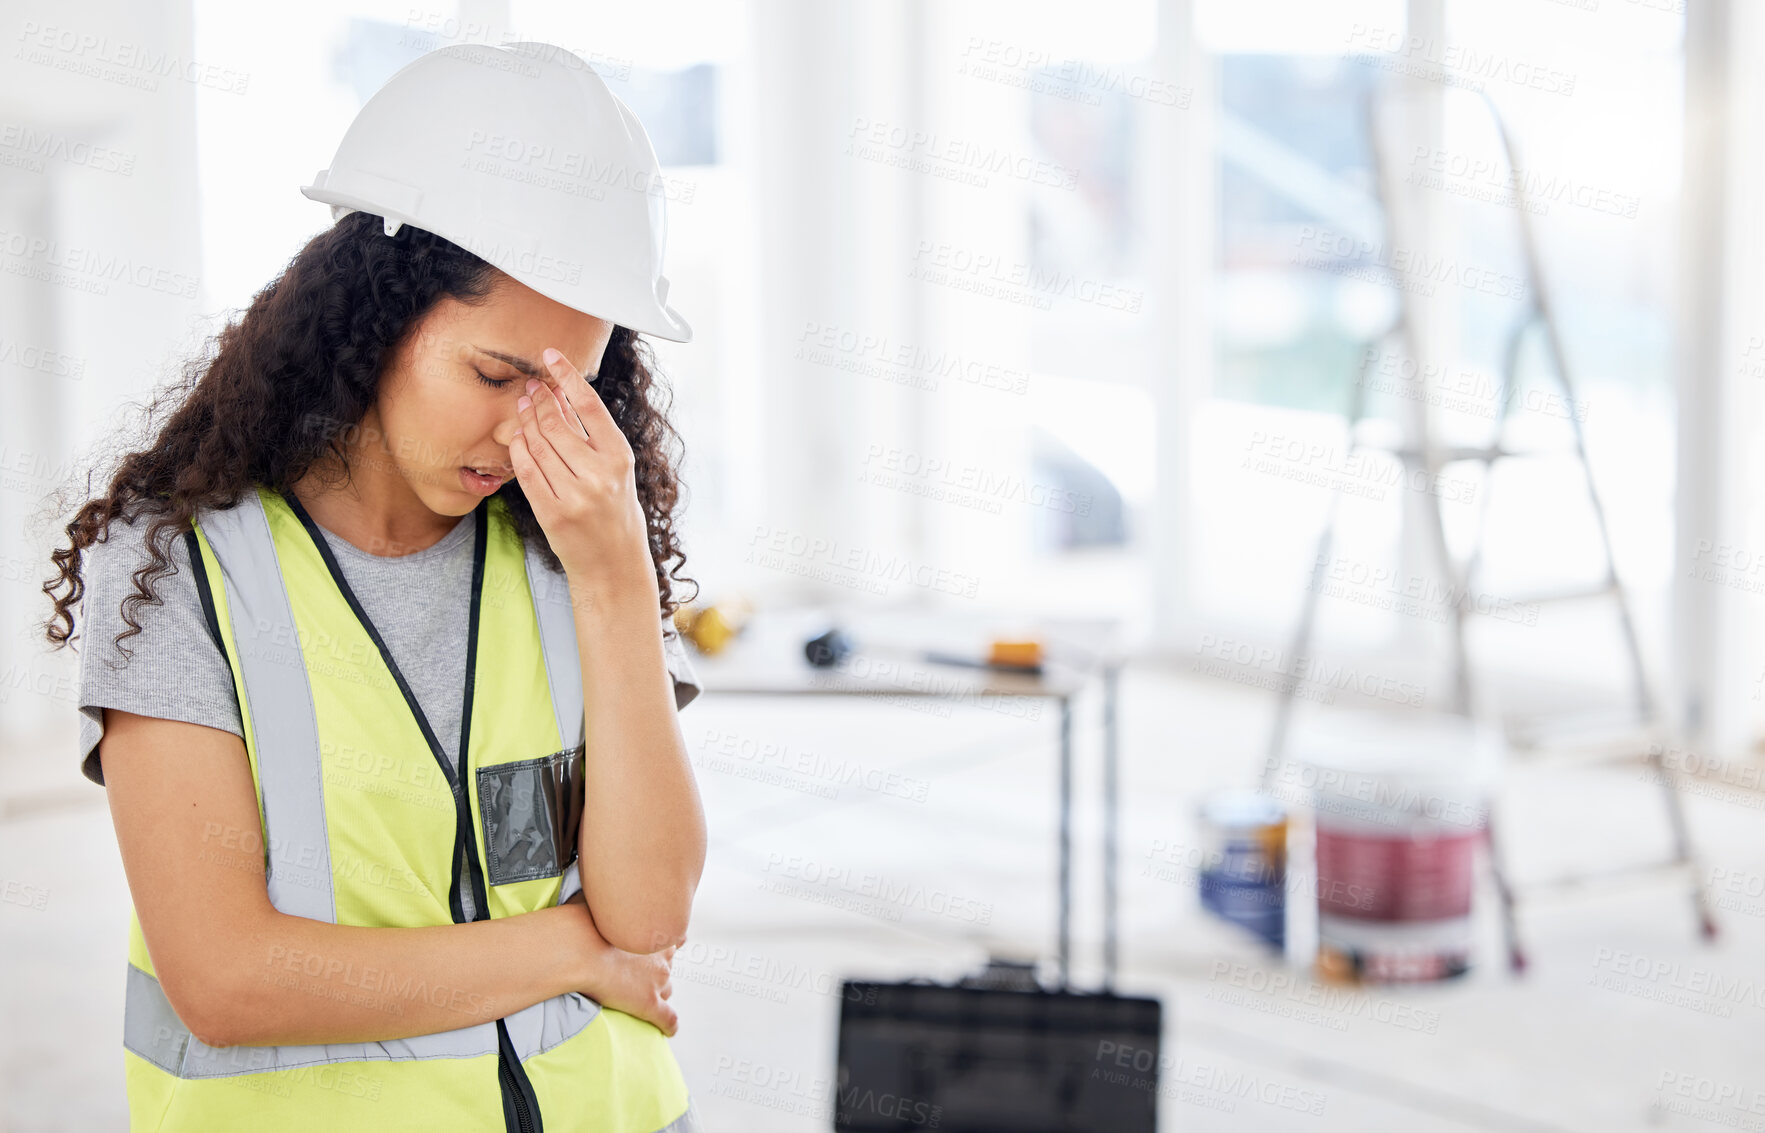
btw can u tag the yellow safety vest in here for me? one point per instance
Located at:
(363, 821)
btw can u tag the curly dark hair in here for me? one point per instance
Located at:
(293, 375)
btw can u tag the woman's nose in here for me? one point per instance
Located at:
(504, 433)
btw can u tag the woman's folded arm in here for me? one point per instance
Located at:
(238, 972)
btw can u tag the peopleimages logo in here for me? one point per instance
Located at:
(957, 159)
(1214, 1087)
(1693, 987)
(1706, 1099)
(1411, 269)
(874, 887)
(120, 61)
(906, 363)
(829, 770)
(793, 1091)
(86, 269)
(1282, 993)
(857, 567)
(944, 478)
(1457, 64)
(525, 260)
(1015, 281)
(1065, 77)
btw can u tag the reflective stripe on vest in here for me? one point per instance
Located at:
(359, 826)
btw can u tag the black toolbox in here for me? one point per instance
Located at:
(995, 1053)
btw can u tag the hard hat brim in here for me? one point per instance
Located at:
(662, 321)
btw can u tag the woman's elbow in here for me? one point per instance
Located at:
(645, 935)
(209, 1010)
(216, 997)
(645, 919)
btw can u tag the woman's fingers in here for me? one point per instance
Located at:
(533, 448)
(527, 473)
(567, 434)
(562, 377)
(554, 389)
(584, 400)
(570, 446)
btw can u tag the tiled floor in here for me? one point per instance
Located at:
(1624, 1021)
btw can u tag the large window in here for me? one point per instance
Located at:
(1310, 278)
(1052, 107)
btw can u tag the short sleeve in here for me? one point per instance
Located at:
(678, 657)
(173, 669)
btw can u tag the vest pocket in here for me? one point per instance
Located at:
(531, 809)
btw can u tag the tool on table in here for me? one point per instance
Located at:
(1005, 655)
(829, 649)
(712, 627)
(1008, 655)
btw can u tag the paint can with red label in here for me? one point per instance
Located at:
(1399, 808)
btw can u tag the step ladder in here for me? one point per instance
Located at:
(1419, 450)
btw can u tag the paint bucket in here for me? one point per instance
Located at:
(1399, 806)
(1244, 862)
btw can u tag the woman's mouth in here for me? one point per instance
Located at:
(482, 483)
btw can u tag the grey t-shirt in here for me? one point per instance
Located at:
(418, 602)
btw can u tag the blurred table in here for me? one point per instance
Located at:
(888, 659)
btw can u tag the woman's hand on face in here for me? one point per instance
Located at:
(578, 473)
(636, 983)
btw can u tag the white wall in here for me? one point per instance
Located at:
(102, 263)
(1719, 657)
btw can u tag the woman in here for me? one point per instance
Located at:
(365, 899)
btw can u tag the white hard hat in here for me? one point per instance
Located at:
(521, 155)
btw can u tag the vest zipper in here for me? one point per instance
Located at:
(520, 1106)
(517, 1090)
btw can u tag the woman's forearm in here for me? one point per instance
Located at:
(642, 838)
(294, 981)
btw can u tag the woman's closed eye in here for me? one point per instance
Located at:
(492, 382)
